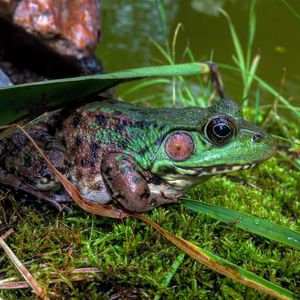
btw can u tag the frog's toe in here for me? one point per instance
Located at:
(47, 184)
(45, 179)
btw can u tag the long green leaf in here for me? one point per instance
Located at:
(19, 101)
(247, 222)
(221, 265)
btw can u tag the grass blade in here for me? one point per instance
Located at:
(35, 98)
(247, 222)
(250, 77)
(257, 105)
(291, 9)
(237, 44)
(165, 53)
(267, 87)
(251, 33)
(170, 275)
(221, 265)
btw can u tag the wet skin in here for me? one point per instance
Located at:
(139, 158)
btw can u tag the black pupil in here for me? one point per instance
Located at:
(222, 130)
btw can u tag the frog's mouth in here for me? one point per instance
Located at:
(218, 169)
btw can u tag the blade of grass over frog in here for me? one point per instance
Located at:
(221, 265)
(101, 210)
(267, 87)
(21, 100)
(38, 290)
(144, 84)
(247, 222)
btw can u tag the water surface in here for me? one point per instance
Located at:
(130, 25)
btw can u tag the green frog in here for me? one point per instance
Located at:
(138, 158)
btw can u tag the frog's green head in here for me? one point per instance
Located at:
(210, 141)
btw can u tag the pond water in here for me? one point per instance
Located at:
(129, 26)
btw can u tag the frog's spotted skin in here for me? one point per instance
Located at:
(138, 157)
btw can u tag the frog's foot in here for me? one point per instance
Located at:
(14, 182)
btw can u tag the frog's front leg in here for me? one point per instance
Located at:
(128, 186)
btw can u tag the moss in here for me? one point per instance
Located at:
(134, 260)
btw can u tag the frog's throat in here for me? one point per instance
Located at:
(217, 169)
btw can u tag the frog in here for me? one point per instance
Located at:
(135, 157)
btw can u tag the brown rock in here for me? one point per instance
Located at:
(7, 8)
(69, 27)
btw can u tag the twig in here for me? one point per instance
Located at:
(7, 234)
(24, 271)
(11, 285)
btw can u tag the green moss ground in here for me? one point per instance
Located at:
(134, 259)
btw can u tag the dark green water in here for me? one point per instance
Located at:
(129, 26)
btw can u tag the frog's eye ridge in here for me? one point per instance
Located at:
(179, 146)
(220, 130)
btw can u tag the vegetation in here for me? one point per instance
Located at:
(133, 259)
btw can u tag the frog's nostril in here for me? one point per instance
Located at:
(257, 137)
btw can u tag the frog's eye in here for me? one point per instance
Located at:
(179, 146)
(220, 130)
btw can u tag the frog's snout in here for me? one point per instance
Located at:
(265, 140)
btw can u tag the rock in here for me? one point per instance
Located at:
(7, 8)
(69, 27)
(48, 39)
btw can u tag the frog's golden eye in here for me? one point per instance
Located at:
(179, 146)
(220, 130)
